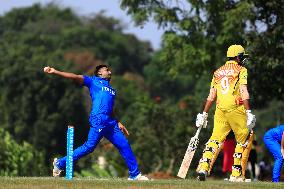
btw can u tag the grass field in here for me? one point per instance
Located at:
(58, 183)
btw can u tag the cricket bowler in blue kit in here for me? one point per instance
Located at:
(102, 124)
(274, 140)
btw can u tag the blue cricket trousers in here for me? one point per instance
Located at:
(275, 148)
(104, 126)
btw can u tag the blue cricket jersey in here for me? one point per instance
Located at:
(277, 132)
(102, 94)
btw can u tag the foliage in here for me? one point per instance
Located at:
(37, 107)
(158, 131)
(19, 159)
(94, 171)
(199, 32)
(159, 93)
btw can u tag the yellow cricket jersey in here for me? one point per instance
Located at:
(227, 80)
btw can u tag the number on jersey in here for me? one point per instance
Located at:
(225, 84)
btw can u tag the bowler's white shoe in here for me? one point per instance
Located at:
(139, 177)
(56, 171)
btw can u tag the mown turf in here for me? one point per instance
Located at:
(83, 183)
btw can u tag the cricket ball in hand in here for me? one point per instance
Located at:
(45, 69)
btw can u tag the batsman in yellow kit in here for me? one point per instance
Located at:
(229, 89)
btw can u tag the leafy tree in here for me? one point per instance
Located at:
(19, 159)
(199, 32)
(197, 35)
(37, 108)
(158, 131)
(159, 93)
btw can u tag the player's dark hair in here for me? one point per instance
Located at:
(98, 69)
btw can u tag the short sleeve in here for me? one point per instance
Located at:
(243, 76)
(87, 81)
(213, 82)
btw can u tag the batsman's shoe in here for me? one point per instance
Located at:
(202, 175)
(236, 179)
(236, 171)
(56, 171)
(139, 177)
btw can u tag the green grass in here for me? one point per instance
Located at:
(82, 183)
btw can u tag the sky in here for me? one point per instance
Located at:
(150, 32)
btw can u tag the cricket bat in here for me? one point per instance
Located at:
(192, 146)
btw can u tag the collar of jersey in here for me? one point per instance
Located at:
(104, 81)
(231, 62)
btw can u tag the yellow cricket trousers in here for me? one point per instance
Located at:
(224, 121)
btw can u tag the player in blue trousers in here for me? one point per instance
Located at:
(102, 124)
(274, 141)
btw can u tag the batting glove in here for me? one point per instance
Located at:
(201, 120)
(250, 120)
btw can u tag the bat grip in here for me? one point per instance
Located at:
(198, 131)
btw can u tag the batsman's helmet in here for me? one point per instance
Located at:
(236, 50)
(239, 52)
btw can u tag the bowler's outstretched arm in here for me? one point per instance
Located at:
(77, 78)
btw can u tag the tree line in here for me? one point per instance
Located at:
(159, 92)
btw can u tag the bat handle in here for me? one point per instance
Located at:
(198, 131)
